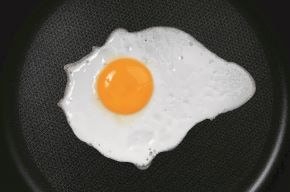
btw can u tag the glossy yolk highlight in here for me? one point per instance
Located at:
(124, 86)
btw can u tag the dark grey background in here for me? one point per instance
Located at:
(14, 12)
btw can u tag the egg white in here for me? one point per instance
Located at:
(191, 84)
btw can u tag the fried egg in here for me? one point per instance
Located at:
(141, 92)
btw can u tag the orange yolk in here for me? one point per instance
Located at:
(124, 86)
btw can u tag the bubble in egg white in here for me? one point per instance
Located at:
(191, 84)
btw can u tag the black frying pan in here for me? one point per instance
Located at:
(238, 151)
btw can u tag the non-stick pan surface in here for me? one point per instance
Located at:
(234, 152)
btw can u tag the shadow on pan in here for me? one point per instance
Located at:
(238, 151)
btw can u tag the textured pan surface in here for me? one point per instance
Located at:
(214, 156)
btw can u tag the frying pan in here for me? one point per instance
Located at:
(238, 151)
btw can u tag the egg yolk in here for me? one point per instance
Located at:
(124, 86)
